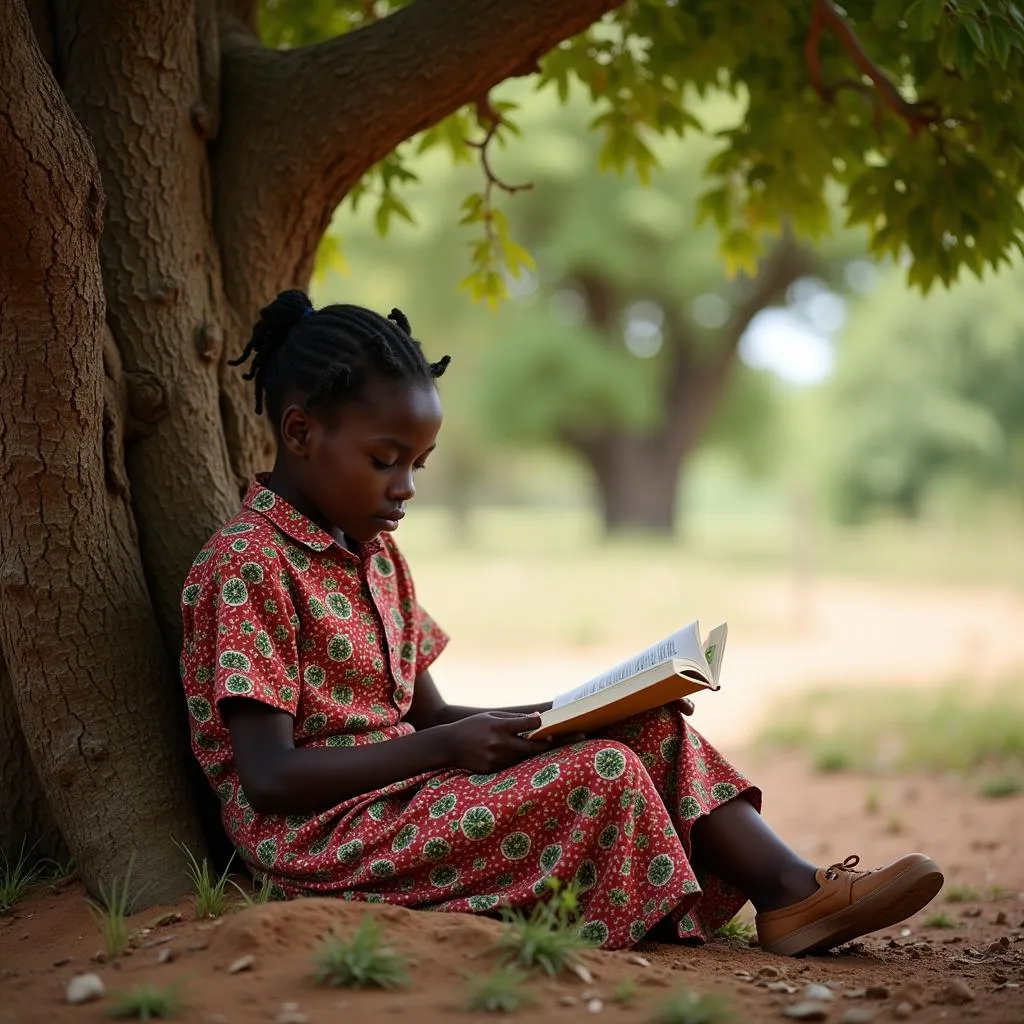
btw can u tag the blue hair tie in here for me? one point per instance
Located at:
(308, 311)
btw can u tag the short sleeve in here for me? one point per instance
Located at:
(431, 640)
(256, 624)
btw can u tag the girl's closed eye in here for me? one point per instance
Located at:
(381, 464)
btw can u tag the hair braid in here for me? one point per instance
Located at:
(330, 353)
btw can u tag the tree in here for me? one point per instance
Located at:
(164, 175)
(627, 346)
(928, 393)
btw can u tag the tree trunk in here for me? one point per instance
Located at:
(91, 681)
(26, 823)
(637, 479)
(125, 438)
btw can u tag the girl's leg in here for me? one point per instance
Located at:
(735, 843)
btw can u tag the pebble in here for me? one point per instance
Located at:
(958, 992)
(806, 1010)
(877, 992)
(63, 961)
(165, 956)
(855, 993)
(582, 972)
(781, 986)
(857, 1015)
(99, 957)
(901, 1011)
(291, 1014)
(640, 961)
(1001, 917)
(818, 993)
(84, 988)
(769, 972)
(568, 1000)
(595, 1006)
(243, 963)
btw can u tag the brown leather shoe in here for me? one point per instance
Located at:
(850, 903)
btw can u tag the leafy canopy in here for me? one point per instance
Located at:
(910, 110)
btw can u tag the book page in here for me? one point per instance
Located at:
(685, 643)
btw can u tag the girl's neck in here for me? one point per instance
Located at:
(283, 484)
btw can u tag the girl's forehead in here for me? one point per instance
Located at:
(396, 405)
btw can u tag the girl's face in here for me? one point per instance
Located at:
(356, 465)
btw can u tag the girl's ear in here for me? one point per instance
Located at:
(295, 431)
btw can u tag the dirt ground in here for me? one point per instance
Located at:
(972, 969)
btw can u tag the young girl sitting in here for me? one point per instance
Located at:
(341, 770)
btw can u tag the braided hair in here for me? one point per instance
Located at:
(329, 354)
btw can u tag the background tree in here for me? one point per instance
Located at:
(628, 341)
(929, 398)
(165, 174)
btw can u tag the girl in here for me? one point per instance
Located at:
(341, 770)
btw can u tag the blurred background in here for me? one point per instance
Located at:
(639, 437)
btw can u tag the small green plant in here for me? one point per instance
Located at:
(548, 938)
(894, 824)
(147, 1002)
(111, 911)
(359, 962)
(209, 896)
(831, 758)
(872, 801)
(997, 892)
(737, 930)
(16, 878)
(56, 870)
(501, 991)
(686, 1007)
(939, 921)
(257, 897)
(962, 894)
(625, 992)
(998, 786)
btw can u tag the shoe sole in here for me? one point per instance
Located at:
(898, 899)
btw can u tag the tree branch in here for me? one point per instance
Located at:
(300, 127)
(882, 91)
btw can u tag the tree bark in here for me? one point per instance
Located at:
(87, 668)
(26, 824)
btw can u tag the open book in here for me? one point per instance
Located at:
(675, 667)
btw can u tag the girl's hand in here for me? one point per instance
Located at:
(490, 742)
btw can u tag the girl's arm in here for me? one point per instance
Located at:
(280, 778)
(429, 708)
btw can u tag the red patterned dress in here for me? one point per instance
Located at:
(274, 610)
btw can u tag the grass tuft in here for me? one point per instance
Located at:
(685, 1007)
(997, 786)
(737, 930)
(548, 938)
(501, 991)
(148, 1002)
(111, 911)
(872, 801)
(939, 920)
(256, 897)
(16, 878)
(359, 962)
(209, 895)
(625, 992)
(961, 894)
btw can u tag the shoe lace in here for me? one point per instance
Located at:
(848, 865)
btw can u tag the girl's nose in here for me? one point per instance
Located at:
(402, 487)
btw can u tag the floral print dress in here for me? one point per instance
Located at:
(275, 610)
